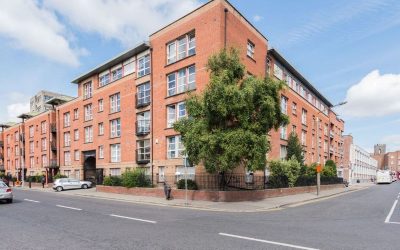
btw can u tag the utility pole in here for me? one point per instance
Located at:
(185, 164)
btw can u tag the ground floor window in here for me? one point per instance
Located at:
(67, 173)
(115, 171)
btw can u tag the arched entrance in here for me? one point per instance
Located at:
(90, 171)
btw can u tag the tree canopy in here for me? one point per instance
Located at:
(294, 148)
(227, 123)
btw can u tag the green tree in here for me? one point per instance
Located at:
(228, 122)
(329, 169)
(294, 148)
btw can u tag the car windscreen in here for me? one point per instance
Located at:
(3, 185)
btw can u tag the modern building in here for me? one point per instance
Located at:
(359, 165)
(123, 115)
(39, 103)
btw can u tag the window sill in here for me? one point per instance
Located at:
(169, 64)
(116, 112)
(115, 137)
(138, 77)
(181, 93)
(251, 58)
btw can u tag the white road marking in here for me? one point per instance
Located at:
(267, 241)
(392, 222)
(391, 212)
(72, 208)
(31, 200)
(131, 218)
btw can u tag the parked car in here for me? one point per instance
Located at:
(5, 193)
(69, 183)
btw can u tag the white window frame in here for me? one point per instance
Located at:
(88, 134)
(115, 103)
(143, 66)
(101, 105)
(67, 139)
(115, 128)
(87, 90)
(174, 147)
(101, 152)
(88, 112)
(143, 94)
(76, 134)
(67, 158)
(101, 128)
(181, 81)
(143, 122)
(304, 117)
(76, 114)
(77, 155)
(175, 112)
(143, 150)
(104, 78)
(67, 119)
(250, 49)
(115, 153)
(284, 102)
(181, 47)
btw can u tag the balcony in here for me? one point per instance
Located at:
(53, 145)
(53, 127)
(143, 156)
(331, 134)
(142, 127)
(53, 163)
(142, 102)
(22, 137)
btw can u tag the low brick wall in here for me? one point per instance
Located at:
(217, 196)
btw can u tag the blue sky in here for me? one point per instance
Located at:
(348, 49)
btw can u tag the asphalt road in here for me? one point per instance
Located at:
(40, 220)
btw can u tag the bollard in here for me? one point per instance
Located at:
(30, 183)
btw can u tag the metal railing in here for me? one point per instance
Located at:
(142, 157)
(142, 102)
(143, 127)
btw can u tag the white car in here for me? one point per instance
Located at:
(69, 183)
(5, 193)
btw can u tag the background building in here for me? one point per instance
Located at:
(358, 163)
(38, 102)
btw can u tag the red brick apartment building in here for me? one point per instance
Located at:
(123, 115)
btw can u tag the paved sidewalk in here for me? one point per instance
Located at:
(244, 206)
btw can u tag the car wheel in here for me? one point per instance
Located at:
(84, 186)
(10, 201)
(59, 189)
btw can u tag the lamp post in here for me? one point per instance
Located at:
(318, 148)
(185, 164)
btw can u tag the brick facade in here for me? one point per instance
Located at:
(92, 138)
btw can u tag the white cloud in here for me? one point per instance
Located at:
(375, 95)
(128, 21)
(257, 18)
(15, 109)
(393, 142)
(34, 28)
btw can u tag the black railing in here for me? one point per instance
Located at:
(53, 145)
(142, 127)
(142, 102)
(53, 163)
(142, 157)
(53, 127)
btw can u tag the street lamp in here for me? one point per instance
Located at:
(318, 146)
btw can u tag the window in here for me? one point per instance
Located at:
(44, 161)
(16, 135)
(101, 128)
(283, 152)
(76, 114)
(294, 128)
(278, 72)
(325, 146)
(115, 128)
(174, 147)
(143, 95)
(284, 101)
(77, 155)
(31, 131)
(101, 105)
(161, 174)
(76, 134)
(77, 174)
(88, 112)
(67, 173)
(283, 132)
(87, 90)
(304, 116)
(143, 123)
(67, 120)
(67, 158)
(115, 103)
(67, 139)
(32, 162)
(143, 66)
(181, 48)
(175, 112)
(250, 49)
(31, 147)
(43, 126)
(88, 134)
(294, 108)
(101, 152)
(44, 144)
(303, 137)
(143, 152)
(104, 78)
(115, 152)
(182, 80)
(115, 171)
(129, 66)
(116, 72)
(17, 151)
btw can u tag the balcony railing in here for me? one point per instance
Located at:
(143, 156)
(53, 145)
(53, 163)
(142, 127)
(53, 128)
(142, 102)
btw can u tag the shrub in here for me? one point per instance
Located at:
(112, 181)
(57, 176)
(191, 184)
(285, 170)
(136, 178)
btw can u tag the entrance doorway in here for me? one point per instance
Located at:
(89, 166)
